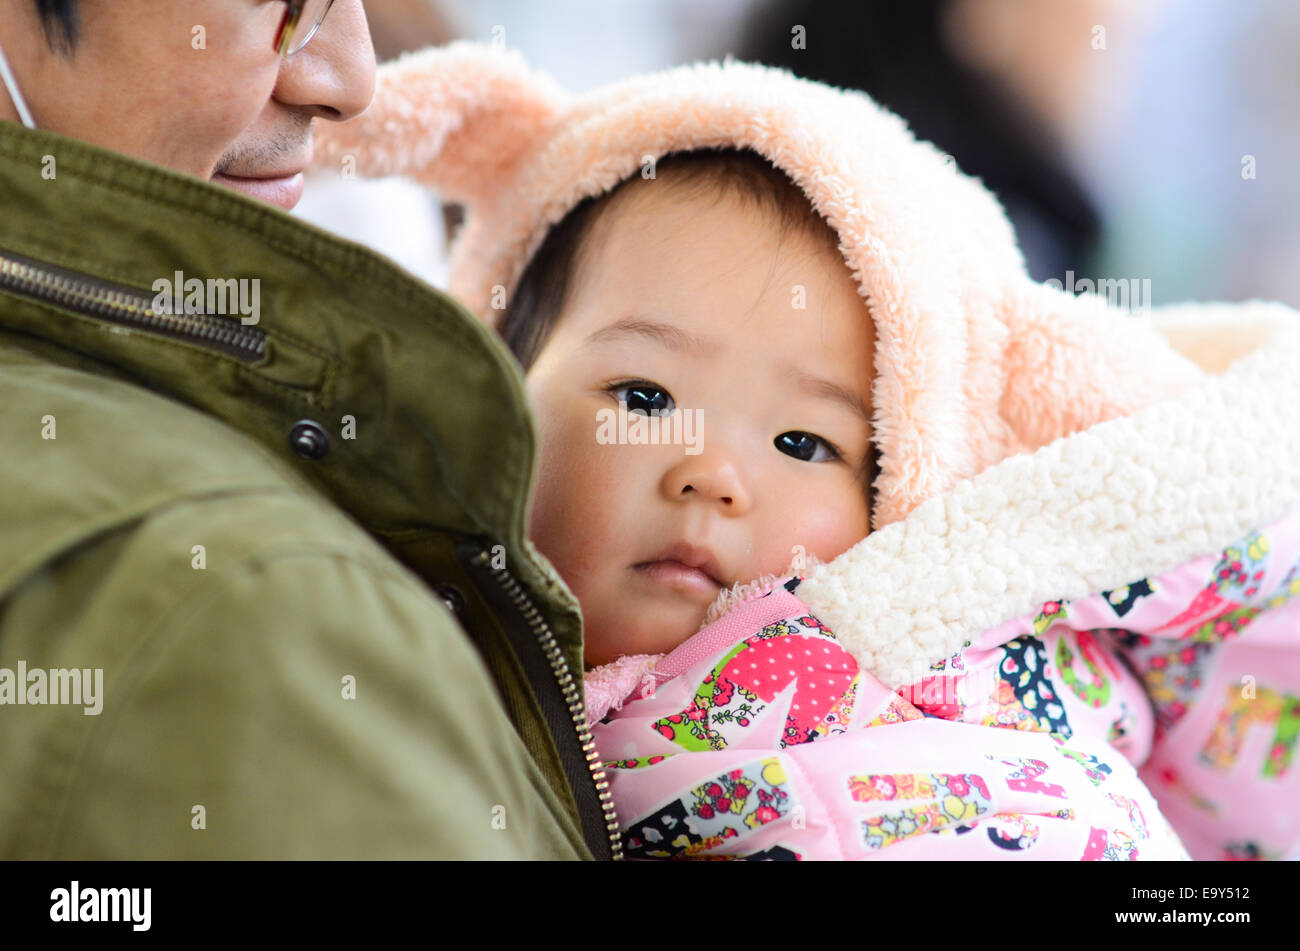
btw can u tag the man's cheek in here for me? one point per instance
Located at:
(232, 118)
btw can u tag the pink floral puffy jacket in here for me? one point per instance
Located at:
(1155, 721)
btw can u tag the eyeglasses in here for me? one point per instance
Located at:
(302, 18)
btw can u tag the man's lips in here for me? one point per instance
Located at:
(285, 191)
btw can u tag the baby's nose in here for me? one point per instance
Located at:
(709, 478)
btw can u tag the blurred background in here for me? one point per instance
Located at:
(1139, 140)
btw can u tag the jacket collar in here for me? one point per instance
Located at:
(443, 442)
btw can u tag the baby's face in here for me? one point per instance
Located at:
(684, 307)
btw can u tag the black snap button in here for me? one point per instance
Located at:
(309, 439)
(451, 597)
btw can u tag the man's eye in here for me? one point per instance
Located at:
(806, 446)
(644, 398)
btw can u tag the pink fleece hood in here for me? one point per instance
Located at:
(974, 361)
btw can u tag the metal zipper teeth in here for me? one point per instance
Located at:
(572, 698)
(131, 308)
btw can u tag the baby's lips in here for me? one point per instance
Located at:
(680, 577)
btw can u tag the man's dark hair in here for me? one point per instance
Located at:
(59, 18)
(540, 295)
(545, 284)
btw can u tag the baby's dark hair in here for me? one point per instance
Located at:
(540, 295)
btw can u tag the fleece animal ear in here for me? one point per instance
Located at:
(460, 118)
(1072, 362)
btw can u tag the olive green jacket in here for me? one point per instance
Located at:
(294, 548)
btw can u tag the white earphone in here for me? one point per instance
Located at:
(11, 84)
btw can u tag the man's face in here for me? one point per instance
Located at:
(195, 86)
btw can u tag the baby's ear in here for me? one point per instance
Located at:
(1072, 362)
(459, 118)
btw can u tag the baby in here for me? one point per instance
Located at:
(956, 565)
(714, 288)
(711, 289)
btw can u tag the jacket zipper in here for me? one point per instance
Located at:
(129, 307)
(126, 306)
(568, 687)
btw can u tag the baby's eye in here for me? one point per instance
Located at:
(644, 397)
(806, 446)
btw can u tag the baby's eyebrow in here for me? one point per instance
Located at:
(826, 390)
(674, 338)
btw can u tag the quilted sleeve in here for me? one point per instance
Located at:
(1216, 643)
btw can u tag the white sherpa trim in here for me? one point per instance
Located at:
(1122, 500)
(800, 564)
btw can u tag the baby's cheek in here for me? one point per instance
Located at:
(578, 519)
(826, 527)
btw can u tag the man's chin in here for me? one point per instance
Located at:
(282, 192)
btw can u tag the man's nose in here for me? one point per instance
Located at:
(333, 76)
(713, 475)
